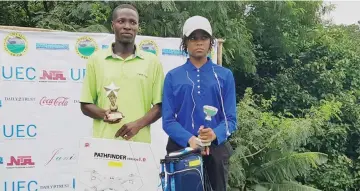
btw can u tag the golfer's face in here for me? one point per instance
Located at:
(125, 25)
(198, 43)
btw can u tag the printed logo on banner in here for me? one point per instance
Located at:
(15, 44)
(149, 46)
(19, 132)
(21, 185)
(58, 157)
(85, 46)
(55, 186)
(104, 46)
(52, 76)
(59, 101)
(77, 75)
(18, 73)
(33, 185)
(110, 156)
(29, 74)
(20, 162)
(1, 160)
(48, 46)
(173, 52)
(16, 99)
(19, 99)
(58, 186)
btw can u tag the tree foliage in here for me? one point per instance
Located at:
(297, 79)
(274, 162)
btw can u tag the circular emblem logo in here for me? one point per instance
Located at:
(149, 46)
(86, 46)
(15, 44)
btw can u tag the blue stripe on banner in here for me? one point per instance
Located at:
(73, 183)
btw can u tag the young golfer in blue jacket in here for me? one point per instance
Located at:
(191, 86)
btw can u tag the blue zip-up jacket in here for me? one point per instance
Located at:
(186, 90)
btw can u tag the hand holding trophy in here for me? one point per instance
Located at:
(111, 93)
(206, 134)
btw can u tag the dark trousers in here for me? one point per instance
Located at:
(216, 164)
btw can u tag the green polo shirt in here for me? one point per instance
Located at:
(140, 78)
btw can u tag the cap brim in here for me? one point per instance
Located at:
(188, 33)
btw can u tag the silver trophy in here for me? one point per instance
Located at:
(209, 111)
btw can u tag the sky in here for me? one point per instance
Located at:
(346, 12)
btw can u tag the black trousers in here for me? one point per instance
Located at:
(216, 164)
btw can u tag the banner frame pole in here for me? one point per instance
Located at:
(219, 51)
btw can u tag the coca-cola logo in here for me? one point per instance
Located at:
(60, 101)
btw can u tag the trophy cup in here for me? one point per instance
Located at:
(209, 111)
(111, 93)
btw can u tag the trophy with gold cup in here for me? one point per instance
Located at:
(111, 93)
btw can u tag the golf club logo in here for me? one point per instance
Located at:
(15, 44)
(149, 46)
(85, 47)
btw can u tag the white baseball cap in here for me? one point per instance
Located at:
(196, 23)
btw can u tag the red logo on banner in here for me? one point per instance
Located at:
(60, 101)
(87, 144)
(56, 75)
(21, 161)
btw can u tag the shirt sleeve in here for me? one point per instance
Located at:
(158, 83)
(229, 100)
(173, 128)
(88, 92)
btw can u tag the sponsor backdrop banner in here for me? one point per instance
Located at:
(41, 75)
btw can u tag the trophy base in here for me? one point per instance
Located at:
(202, 144)
(115, 116)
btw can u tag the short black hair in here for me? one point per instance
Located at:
(184, 39)
(123, 6)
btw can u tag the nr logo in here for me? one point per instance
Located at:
(20, 161)
(53, 75)
(15, 44)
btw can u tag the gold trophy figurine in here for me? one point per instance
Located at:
(111, 93)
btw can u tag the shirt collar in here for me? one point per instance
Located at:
(110, 53)
(206, 67)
